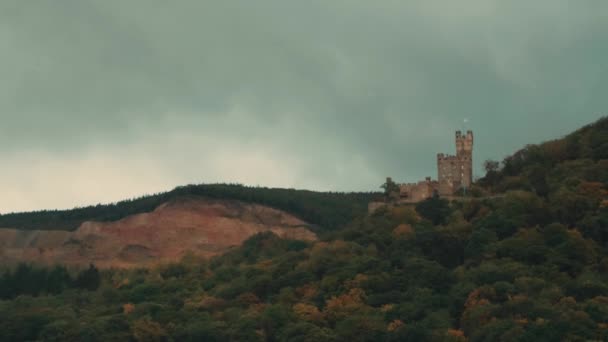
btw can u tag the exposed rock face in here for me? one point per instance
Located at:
(203, 227)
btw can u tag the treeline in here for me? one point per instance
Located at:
(31, 280)
(328, 210)
(561, 167)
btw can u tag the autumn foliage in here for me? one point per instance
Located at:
(526, 262)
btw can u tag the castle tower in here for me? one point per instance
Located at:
(464, 154)
(464, 143)
(456, 172)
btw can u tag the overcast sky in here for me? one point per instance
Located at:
(106, 100)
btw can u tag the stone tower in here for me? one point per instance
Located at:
(456, 172)
(464, 154)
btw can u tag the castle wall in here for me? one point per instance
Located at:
(453, 173)
(448, 174)
(416, 192)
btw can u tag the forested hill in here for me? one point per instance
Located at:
(528, 265)
(329, 210)
(560, 165)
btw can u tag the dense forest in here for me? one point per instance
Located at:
(528, 265)
(325, 209)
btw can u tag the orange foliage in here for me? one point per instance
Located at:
(344, 301)
(345, 304)
(456, 335)
(387, 307)
(128, 308)
(476, 298)
(394, 325)
(593, 190)
(308, 312)
(404, 230)
(120, 283)
(474, 315)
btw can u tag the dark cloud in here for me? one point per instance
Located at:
(333, 94)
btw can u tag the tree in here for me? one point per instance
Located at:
(492, 176)
(434, 209)
(491, 165)
(479, 243)
(58, 280)
(147, 330)
(537, 176)
(89, 279)
(390, 188)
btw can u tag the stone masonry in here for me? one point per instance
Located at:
(454, 172)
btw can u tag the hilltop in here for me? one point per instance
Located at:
(328, 210)
(574, 160)
(203, 220)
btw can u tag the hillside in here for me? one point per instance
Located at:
(528, 265)
(558, 165)
(328, 210)
(186, 226)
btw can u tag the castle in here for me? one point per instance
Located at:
(454, 173)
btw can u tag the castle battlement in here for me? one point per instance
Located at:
(442, 156)
(459, 135)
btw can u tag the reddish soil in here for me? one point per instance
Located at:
(203, 227)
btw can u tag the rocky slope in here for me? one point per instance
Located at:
(203, 227)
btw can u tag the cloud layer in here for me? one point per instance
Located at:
(103, 100)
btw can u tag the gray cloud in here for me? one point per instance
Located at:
(317, 94)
